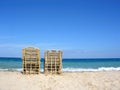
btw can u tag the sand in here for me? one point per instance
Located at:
(104, 80)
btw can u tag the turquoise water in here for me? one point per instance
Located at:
(69, 65)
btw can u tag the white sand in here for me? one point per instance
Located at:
(109, 80)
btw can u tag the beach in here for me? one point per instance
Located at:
(100, 80)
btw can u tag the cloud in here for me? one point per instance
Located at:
(6, 37)
(12, 45)
(39, 45)
(12, 49)
(79, 53)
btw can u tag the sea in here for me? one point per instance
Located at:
(69, 65)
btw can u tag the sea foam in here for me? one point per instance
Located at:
(91, 69)
(73, 69)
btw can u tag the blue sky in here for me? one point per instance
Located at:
(80, 28)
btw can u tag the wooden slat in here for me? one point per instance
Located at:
(53, 62)
(31, 60)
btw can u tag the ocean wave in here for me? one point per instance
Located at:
(16, 69)
(72, 69)
(12, 69)
(91, 69)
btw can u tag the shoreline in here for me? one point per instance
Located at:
(70, 70)
(103, 80)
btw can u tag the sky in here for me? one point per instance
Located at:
(80, 28)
